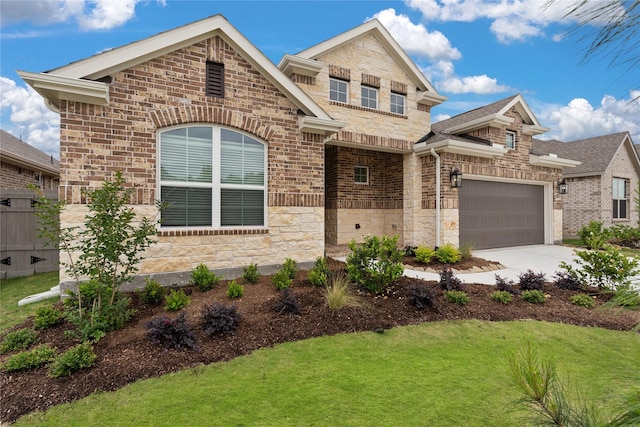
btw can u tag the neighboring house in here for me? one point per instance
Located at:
(21, 164)
(262, 162)
(603, 187)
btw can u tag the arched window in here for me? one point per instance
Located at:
(211, 177)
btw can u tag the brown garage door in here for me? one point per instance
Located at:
(497, 214)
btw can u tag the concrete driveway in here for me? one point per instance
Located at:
(517, 260)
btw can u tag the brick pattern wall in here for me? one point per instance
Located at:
(398, 87)
(12, 176)
(339, 72)
(170, 90)
(370, 80)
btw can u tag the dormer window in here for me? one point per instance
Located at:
(369, 97)
(510, 141)
(338, 90)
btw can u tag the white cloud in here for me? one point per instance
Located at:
(579, 119)
(89, 14)
(415, 39)
(511, 20)
(32, 120)
(443, 76)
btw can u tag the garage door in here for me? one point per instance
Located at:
(497, 214)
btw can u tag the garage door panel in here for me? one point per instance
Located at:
(497, 214)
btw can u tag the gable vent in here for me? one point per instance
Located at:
(215, 79)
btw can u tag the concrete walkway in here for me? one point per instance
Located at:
(517, 260)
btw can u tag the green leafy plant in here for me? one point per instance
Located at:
(448, 254)
(79, 357)
(583, 300)
(531, 281)
(176, 300)
(47, 317)
(503, 297)
(457, 297)
(624, 235)
(18, 340)
(153, 292)
(533, 296)
(422, 296)
(234, 289)
(220, 319)
(566, 281)
(593, 235)
(250, 273)
(449, 282)
(319, 274)
(286, 302)
(291, 267)
(107, 249)
(376, 263)
(624, 296)
(204, 278)
(281, 279)
(171, 333)
(32, 359)
(605, 269)
(338, 293)
(424, 254)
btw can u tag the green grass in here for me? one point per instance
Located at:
(435, 374)
(577, 243)
(13, 290)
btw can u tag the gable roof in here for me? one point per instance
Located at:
(375, 28)
(491, 115)
(80, 80)
(15, 151)
(595, 153)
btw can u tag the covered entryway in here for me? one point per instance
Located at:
(499, 214)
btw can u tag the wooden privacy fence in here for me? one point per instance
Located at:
(21, 252)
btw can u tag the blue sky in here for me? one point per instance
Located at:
(473, 51)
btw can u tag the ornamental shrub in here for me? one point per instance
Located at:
(448, 254)
(176, 300)
(607, 269)
(171, 333)
(503, 297)
(203, 278)
(250, 273)
(567, 281)
(533, 296)
(219, 319)
(424, 254)
(32, 359)
(47, 316)
(281, 279)
(376, 263)
(531, 281)
(583, 300)
(593, 236)
(235, 289)
(79, 357)
(319, 274)
(449, 282)
(286, 302)
(291, 267)
(18, 340)
(421, 296)
(457, 297)
(506, 285)
(153, 292)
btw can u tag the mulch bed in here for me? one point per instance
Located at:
(127, 355)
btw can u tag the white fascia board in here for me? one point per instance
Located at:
(430, 98)
(493, 120)
(24, 162)
(460, 147)
(525, 111)
(320, 126)
(552, 162)
(55, 88)
(533, 129)
(290, 64)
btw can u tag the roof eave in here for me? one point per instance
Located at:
(24, 162)
(552, 161)
(493, 120)
(326, 127)
(460, 147)
(431, 99)
(290, 64)
(534, 129)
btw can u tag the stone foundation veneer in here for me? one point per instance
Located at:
(293, 232)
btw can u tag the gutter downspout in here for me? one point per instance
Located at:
(434, 154)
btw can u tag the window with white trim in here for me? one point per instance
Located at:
(211, 177)
(338, 90)
(361, 174)
(620, 191)
(369, 96)
(397, 103)
(510, 141)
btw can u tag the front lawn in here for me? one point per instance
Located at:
(13, 290)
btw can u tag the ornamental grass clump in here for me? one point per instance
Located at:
(338, 293)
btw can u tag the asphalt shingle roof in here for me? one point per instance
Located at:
(471, 115)
(12, 146)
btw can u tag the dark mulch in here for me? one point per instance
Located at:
(127, 355)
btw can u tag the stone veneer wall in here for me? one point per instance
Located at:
(96, 141)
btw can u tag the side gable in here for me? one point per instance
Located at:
(21, 154)
(87, 80)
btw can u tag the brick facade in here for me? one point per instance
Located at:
(12, 176)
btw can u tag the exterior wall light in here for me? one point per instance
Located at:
(563, 187)
(456, 178)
